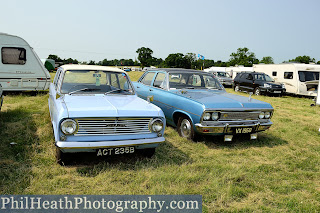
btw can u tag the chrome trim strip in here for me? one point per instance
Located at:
(106, 144)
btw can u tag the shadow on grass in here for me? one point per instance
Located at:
(166, 154)
(25, 93)
(243, 141)
(17, 137)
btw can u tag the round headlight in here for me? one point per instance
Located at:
(261, 115)
(206, 116)
(215, 116)
(267, 114)
(156, 125)
(68, 126)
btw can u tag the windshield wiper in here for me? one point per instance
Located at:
(84, 89)
(115, 90)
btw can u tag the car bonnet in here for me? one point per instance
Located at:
(223, 100)
(109, 106)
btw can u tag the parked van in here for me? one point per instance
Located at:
(20, 67)
(300, 79)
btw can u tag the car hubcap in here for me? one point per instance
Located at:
(237, 88)
(185, 128)
(257, 92)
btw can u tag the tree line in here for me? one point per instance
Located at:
(189, 60)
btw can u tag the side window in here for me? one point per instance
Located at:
(274, 73)
(13, 55)
(250, 77)
(288, 75)
(160, 80)
(147, 78)
(244, 75)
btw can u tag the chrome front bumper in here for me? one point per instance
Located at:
(74, 145)
(228, 128)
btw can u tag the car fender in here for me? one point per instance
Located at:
(178, 113)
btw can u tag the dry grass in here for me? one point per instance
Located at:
(279, 172)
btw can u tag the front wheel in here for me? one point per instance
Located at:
(237, 88)
(257, 91)
(185, 128)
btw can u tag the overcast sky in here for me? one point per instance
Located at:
(98, 29)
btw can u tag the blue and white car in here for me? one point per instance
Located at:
(196, 103)
(96, 109)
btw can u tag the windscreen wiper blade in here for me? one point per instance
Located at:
(84, 89)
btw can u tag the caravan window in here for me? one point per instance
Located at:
(13, 55)
(288, 75)
(308, 76)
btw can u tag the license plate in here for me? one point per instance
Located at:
(115, 151)
(276, 91)
(243, 130)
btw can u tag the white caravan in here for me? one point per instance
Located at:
(300, 79)
(218, 69)
(20, 67)
(233, 71)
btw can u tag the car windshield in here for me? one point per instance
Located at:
(95, 81)
(223, 74)
(193, 81)
(263, 77)
(308, 76)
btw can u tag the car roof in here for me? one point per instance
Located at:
(90, 67)
(252, 72)
(178, 70)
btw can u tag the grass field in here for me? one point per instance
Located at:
(279, 172)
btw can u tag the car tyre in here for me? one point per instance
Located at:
(62, 158)
(148, 152)
(185, 128)
(257, 91)
(237, 88)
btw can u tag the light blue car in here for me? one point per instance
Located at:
(96, 109)
(196, 103)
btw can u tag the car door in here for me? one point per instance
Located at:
(242, 81)
(144, 84)
(247, 82)
(159, 91)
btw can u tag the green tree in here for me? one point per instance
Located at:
(190, 59)
(55, 58)
(267, 60)
(303, 59)
(144, 56)
(176, 60)
(243, 57)
(91, 62)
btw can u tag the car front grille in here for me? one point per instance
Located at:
(234, 116)
(112, 126)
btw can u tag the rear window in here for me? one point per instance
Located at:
(13, 55)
